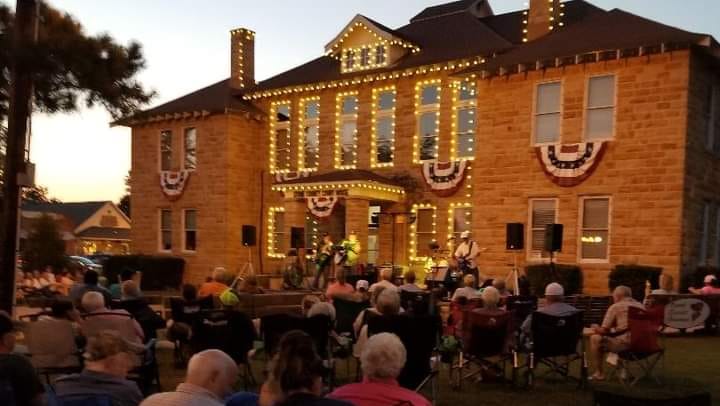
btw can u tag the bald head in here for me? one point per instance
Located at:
(213, 370)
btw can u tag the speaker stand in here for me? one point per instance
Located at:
(247, 267)
(513, 276)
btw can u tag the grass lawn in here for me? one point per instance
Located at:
(693, 361)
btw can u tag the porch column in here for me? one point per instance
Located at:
(393, 234)
(356, 219)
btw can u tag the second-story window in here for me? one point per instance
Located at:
(190, 149)
(712, 135)
(547, 113)
(380, 55)
(600, 116)
(383, 144)
(346, 128)
(365, 57)
(165, 230)
(280, 137)
(190, 230)
(463, 146)
(310, 130)
(166, 150)
(428, 120)
(349, 60)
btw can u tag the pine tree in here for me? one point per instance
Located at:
(44, 246)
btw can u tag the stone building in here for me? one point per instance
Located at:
(603, 121)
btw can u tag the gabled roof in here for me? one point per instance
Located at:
(77, 212)
(379, 29)
(105, 233)
(216, 98)
(454, 7)
(600, 31)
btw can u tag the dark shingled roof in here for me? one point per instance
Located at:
(443, 9)
(216, 98)
(105, 233)
(76, 212)
(614, 29)
(343, 176)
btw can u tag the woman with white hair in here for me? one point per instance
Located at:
(382, 360)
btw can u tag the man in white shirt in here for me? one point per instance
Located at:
(386, 276)
(466, 254)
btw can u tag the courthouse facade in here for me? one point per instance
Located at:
(603, 121)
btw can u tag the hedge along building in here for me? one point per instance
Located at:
(600, 120)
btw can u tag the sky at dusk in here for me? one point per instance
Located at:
(187, 46)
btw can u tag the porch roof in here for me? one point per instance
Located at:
(349, 183)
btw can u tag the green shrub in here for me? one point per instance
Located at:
(540, 275)
(159, 272)
(694, 279)
(635, 277)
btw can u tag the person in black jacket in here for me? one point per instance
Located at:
(133, 302)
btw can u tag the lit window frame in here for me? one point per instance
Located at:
(272, 232)
(340, 121)
(588, 108)
(304, 122)
(416, 208)
(274, 127)
(351, 59)
(451, 221)
(459, 105)
(421, 109)
(581, 229)
(377, 115)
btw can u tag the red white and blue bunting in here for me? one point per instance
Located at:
(568, 165)
(288, 176)
(444, 178)
(173, 183)
(321, 207)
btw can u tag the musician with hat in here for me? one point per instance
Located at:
(466, 255)
(322, 261)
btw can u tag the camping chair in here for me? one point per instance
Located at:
(346, 311)
(80, 400)
(557, 343)
(7, 394)
(486, 343)
(415, 302)
(419, 335)
(187, 313)
(457, 313)
(230, 331)
(53, 348)
(521, 307)
(645, 351)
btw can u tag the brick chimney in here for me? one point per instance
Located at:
(542, 18)
(242, 58)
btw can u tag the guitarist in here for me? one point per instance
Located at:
(322, 261)
(466, 255)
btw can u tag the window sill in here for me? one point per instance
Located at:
(165, 251)
(186, 252)
(593, 261)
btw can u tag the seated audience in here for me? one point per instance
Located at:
(133, 302)
(94, 305)
(182, 317)
(712, 287)
(293, 278)
(243, 399)
(250, 286)
(64, 283)
(209, 380)
(16, 370)
(382, 360)
(409, 285)
(490, 302)
(322, 308)
(298, 370)
(361, 293)
(386, 276)
(613, 335)
(126, 274)
(90, 284)
(216, 286)
(467, 291)
(386, 304)
(554, 305)
(308, 301)
(501, 287)
(339, 288)
(108, 358)
(64, 310)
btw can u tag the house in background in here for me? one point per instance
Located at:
(87, 227)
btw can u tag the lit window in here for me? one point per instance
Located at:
(428, 113)
(166, 150)
(280, 137)
(190, 149)
(349, 60)
(380, 55)
(165, 230)
(423, 231)
(547, 113)
(384, 123)
(600, 117)
(190, 230)
(346, 144)
(465, 99)
(461, 220)
(365, 57)
(595, 232)
(276, 232)
(542, 213)
(310, 127)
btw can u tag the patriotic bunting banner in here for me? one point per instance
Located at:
(173, 183)
(444, 178)
(570, 164)
(321, 207)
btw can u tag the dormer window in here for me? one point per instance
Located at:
(349, 60)
(380, 56)
(365, 57)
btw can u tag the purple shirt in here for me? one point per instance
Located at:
(377, 393)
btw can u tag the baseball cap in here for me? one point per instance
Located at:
(362, 284)
(554, 289)
(709, 278)
(465, 234)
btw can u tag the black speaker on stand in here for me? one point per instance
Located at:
(553, 243)
(249, 239)
(514, 241)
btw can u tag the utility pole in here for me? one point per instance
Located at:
(25, 29)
